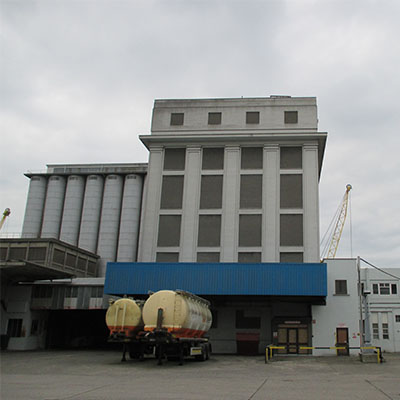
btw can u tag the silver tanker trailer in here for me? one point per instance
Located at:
(168, 324)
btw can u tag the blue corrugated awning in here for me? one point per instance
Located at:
(274, 279)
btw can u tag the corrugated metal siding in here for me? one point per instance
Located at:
(275, 279)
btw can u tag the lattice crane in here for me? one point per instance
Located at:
(337, 232)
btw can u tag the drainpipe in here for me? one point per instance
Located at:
(361, 303)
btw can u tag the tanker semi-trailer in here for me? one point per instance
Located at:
(176, 322)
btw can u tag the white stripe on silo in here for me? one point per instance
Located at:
(130, 216)
(109, 221)
(91, 210)
(53, 207)
(72, 209)
(34, 207)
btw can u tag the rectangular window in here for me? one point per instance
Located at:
(169, 231)
(171, 192)
(291, 230)
(251, 158)
(209, 231)
(291, 257)
(291, 191)
(249, 257)
(385, 325)
(167, 257)
(252, 117)
(211, 192)
(291, 117)
(394, 288)
(291, 158)
(375, 289)
(247, 319)
(250, 191)
(174, 159)
(37, 254)
(384, 288)
(177, 118)
(70, 260)
(214, 118)
(14, 328)
(375, 330)
(340, 287)
(213, 158)
(397, 318)
(249, 230)
(205, 257)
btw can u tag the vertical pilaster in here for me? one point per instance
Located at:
(270, 242)
(230, 207)
(190, 209)
(148, 242)
(311, 203)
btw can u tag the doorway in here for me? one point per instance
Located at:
(292, 338)
(342, 340)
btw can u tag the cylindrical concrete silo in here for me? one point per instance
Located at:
(91, 210)
(130, 217)
(53, 207)
(34, 207)
(71, 218)
(109, 221)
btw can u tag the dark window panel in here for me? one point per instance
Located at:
(213, 158)
(249, 230)
(214, 118)
(252, 158)
(167, 257)
(291, 230)
(177, 118)
(205, 257)
(340, 286)
(172, 192)
(209, 231)
(174, 159)
(211, 191)
(250, 191)
(291, 257)
(252, 117)
(169, 231)
(291, 158)
(291, 117)
(247, 322)
(291, 191)
(249, 257)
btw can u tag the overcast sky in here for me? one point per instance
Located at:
(78, 81)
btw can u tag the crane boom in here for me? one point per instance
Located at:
(337, 233)
(6, 213)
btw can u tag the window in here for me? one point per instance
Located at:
(172, 192)
(252, 117)
(375, 326)
(291, 158)
(207, 257)
(249, 257)
(247, 319)
(291, 229)
(249, 230)
(291, 257)
(177, 118)
(250, 191)
(291, 117)
(291, 191)
(213, 158)
(209, 231)
(251, 158)
(385, 325)
(162, 257)
(340, 287)
(214, 118)
(174, 159)
(211, 191)
(169, 230)
(14, 328)
(384, 288)
(397, 318)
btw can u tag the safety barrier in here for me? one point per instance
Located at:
(269, 350)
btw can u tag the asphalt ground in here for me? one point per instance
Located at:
(85, 374)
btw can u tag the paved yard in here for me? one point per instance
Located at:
(50, 375)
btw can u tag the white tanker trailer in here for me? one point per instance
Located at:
(169, 324)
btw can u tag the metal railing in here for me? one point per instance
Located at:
(269, 350)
